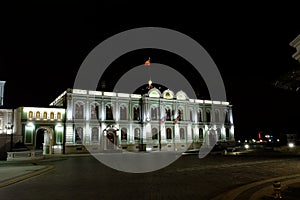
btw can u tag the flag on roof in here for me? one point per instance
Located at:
(147, 63)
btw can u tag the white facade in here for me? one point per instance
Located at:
(100, 121)
(6, 121)
(2, 83)
(296, 44)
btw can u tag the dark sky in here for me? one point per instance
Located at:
(43, 46)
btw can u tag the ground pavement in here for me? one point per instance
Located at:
(15, 171)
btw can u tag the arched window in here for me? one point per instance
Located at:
(199, 115)
(45, 115)
(182, 133)
(79, 110)
(227, 133)
(124, 134)
(123, 112)
(95, 134)
(78, 135)
(168, 114)
(30, 114)
(201, 136)
(58, 115)
(191, 115)
(109, 112)
(217, 116)
(169, 133)
(38, 115)
(208, 116)
(154, 134)
(180, 114)
(95, 111)
(137, 134)
(136, 113)
(52, 115)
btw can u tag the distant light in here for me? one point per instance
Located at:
(260, 140)
(239, 141)
(278, 140)
(246, 146)
(246, 140)
(291, 145)
(270, 140)
(148, 148)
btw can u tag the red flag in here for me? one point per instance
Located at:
(147, 63)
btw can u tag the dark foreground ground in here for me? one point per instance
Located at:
(84, 177)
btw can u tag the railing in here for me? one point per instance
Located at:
(24, 155)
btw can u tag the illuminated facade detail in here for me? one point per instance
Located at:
(38, 132)
(296, 44)
(6, 121)
(2, 84)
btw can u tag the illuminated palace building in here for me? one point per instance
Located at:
(81, 120)
(100, 121)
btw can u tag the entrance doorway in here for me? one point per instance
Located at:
(44, 140)
(110, 140)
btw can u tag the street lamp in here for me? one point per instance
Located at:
(11, 130)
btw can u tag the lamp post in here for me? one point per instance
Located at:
(12, 130)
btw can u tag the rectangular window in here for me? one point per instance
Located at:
(28, 134)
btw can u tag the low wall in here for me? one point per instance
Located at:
(24, 155)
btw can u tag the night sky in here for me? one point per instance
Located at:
(43, 46)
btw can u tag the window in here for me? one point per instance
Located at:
(109, 112)
(124, 134)
(38, 115)
(168, 114)
(191, 115)
(154, 134)
(78, 135)
(94, 111)
(136, 134)
(95, 135)
(169, 133)
(217, 116)
(136, 113)
(45, 115)
(123, 112)
(79, 110)
(219, 133)
(180, 114)
(58, 115)
(199, 115)
(227, 133)
(226, 117)
(182, 133)
(52, 115)
(201, 133)
(208, 117)
(30, 115)
(154, 113)
(192, 134)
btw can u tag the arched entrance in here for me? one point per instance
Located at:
(44, 140)
(111, 140)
